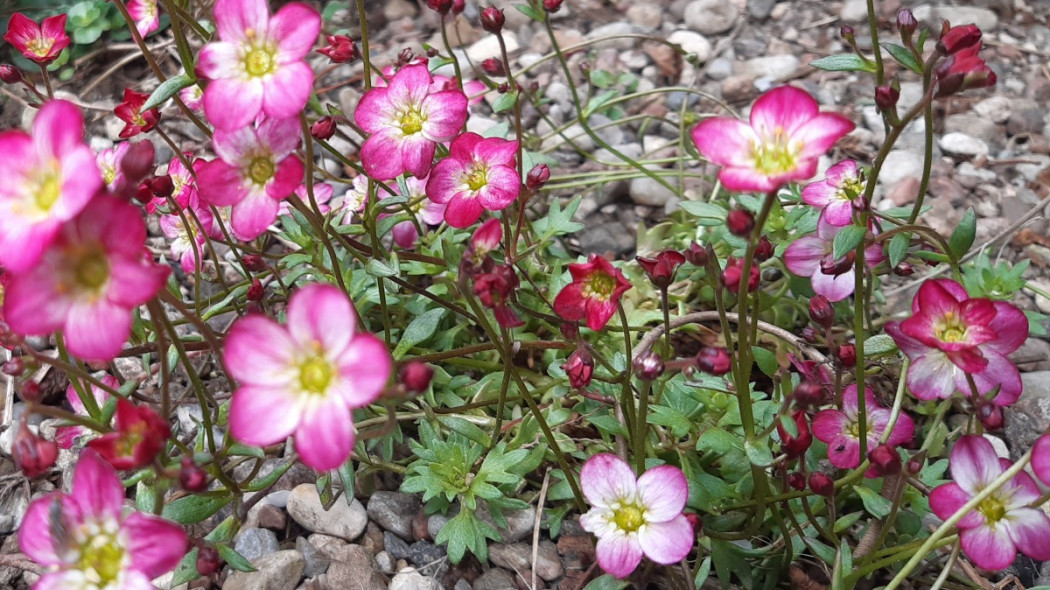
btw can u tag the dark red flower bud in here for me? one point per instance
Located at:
(914, 466)
(821, 484)
(810, 335)
(696, 254)
(492, 19)
(416, 376)
(886, 97)
(323, 128)
(733, 272)
(847, 33)
(144, 194)
(30, 391)
(847, 353)
(191, 477)
(794, 445)
(961, 71)
(9, 74)
(138, 162)
(906, 23)
(885, 459)
(340, 49)
(255, 291)
(578, 368)
(253, 262)
(821, 311)
(458, 6)
(958, 39)
(740, 222)
(208, 560)
(649, 366)
(990, 415)
(440, 6)
(537, 177)
(14, 367)
(569, 330)
(552, 6)
(493, 67)
(695, 522)
(661, 270)
(714, 360)
(162, 186)
(904, 270)
(763, 250)
(503, 88)
(32, 454)
(797, 481)
(809, 394)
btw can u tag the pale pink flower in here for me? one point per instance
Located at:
(88, 540)
(145, 14)
(786, 136)
(406, 121)
(254, 172)
(840, 429)
(355, 199)
(183, 238)
(257, 66)
(839, 194)
(1002, 524)
(108, 162)
(65, 436)
(193, 97)
(322, 194)
(635, 516)
(426, 212)
(305, 378)
(479, 174)
(48, 177)
(88, 281)
(812, 256)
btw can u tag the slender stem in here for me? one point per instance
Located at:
(47, 81)
(873, 26)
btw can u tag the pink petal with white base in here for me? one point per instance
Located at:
(418, 155)
(618, 554)
(364, 369)
(988, 548)
(132, 282)
(97, 488)
(463, 211)
(381, 155)
(325, 437)
(1011, 327)
(155, 545)
(261, 415)
(606, 479)
(220, 59)
(834, 287)
(783, 109)
(288, 90)
(220, 94)
(220, 184)
(321, 316)
(97, 332)
(446, 112)
(947, 499)
(34, 536)
(253, 215)
(725, 141)
(974, 463)
(745, 180)
(667, 542)
(819, 134)
(999, 372)
(932, 376)
(503, 187)
(58, 128)
(1030, 531)
(233, 18)
(286, 180)
(803, 256)
(295, 26)
(663, 492)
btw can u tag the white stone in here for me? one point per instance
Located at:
(773, 66)
(488, 46)
(854, 11)
(985, 19)
(276, 571)
(410, 579)
(900, 164)
(691, 42)
(962, 145)
(346, 521)
(710, 17)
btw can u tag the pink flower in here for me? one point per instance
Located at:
(108, 162)
(1041, 459)
(786, 136)
(130, 111)
(479, 174)
(840, 428)
(40, 43)
(65, 436)
(839, 194)
(593, 294)
(951, 335)
(254, 171)
(88, 281)
(305, 378)
(812, 256)
(193, 96)
(145, 14)
(257, 66)
(183, 238)
(88, 539)
(49, 177)
(1003, 523)
(632, 517)
(407, 120)
(355, 199)
(425, 211)
(139, 435)
(322, 194)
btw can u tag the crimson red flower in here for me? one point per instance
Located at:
(32, 454)
(962, 71)
(139, 436)
(821, 484)
(593, 294)
(696, 254)
(959, 38)
(885, 460)
(661, 270)
(38, 42)
(714, 360)
(130, 111)
(795, 445)
(340, 49)
(494, 288)
(579, 367)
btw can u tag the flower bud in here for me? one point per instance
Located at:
(144, 194)
(821, 484)
(440, 6)
(740, 222)
(552, 6)
(714, 360)
(797, 481)
(340, 49)
(14, 367)
(579, 367)
(661, 270)
(32, 454)
(763, 250)
(30, 391)
(914, 466)
(458, 6)
(958, 39)
(847, 33)
(208, 560)
(810, 335)
(255, 291)
(493, 67)
(137, 163)
(537, 177)
(847, 353)
(162, 186)
(990, 415)
(191, 477)
(821, 311)
(9, 74)
(885, 460)
(569, 330)
(904, 270)
(323, 128)
(696, 255)
(253, 262)
(416, 376)
(649, 366)
(809, 394)
(906, 24)
(492, 19)
(886, 97)
(695, 522)
(734, 271)
(503, 88)
(795, 445)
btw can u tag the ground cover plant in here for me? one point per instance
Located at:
(734, 407)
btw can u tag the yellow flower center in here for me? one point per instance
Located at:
(993, 510)
(261, 170)
(478, 178)
(91, 270)
(40, 46)
(109, 173)
(411, 122)
(629, 517)
(315, 375)
(851, 188)
(101, 558)
(48, 190)
(775, 155)
(950, 328)
(260, 61)
(600, 285)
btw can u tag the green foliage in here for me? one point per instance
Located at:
(999, 280)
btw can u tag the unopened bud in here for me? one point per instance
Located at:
(493, 67)
(578, 368)
(914, 466)
(821, 311)
(253, 262)
(847, 353)
(137, 163)
(32, 454)
(696, 255)
(796, 481)
(763, 250)
(416, 376)
(30, 391)
(162, 186)
(144, 194)
(649, 366)
(959, 38)
(809, 393)
(990, 415)
(552, 6)
(208, 560)
(191, 477)
(714, 360)
(886, 97)
(9, 74)
(906, 24)
(537, 177)
(885, 460)
(847, 33)
(458, 6)
(492, 19)
(14, 367)
(821, 484)
(440, 6)
(810, 335)
(904, 270)
(255, 291)
(695, 522)
(740, 222)
(323, 128)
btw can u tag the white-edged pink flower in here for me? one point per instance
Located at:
(426, 212)
(479, 174)
(65, 436)
(635, 516)
(840, 429)
(1041, 459)
(108, 161)
(88, 540)
(88, 281)
(193, 97)
(254, 172)
(145, 14)
(813, 256)
(322, 194)
(48, 177)
(839, 194)
(406, 121)
(257, 65)
(786, 136)
(305, 378)
(1002, 524)
(187, 243)
(354, 199)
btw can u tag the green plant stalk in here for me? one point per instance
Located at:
(47, 81)
(366, 54)
(873, 27)
(627, 392)
(451, 54)
(859, 268)
(85, 395)
(641, 430)
(927, 164)
(185, 53)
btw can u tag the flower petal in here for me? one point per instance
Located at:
(820, 133)
(155, 545)
(445, 114)
(381, 155)
(321, 316)
(725, 140)
(234, 18)
(1011, 326)
(803, 255)
(325, 437)
(829, 425)
(34, 536)
(97, 331)
(365, 368)
(663, 492)
(989, 548)
(463, 211)
(97, 490)
(260, 352)
(220, 184)
(232, 103)
(295, 27)
(253, 215)
(1041, 459)
(503, 187)
(375, 111)
(974, 463)
(261, 416)
(1030, 531)
(668, 542)
(58, 129)
(947, 499)
(932, 376)
(619, 554)
(783, 109)
(218, 60)
(606, 479)
(287, 91)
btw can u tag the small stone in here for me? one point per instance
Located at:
(346, 521)
(900, 164)
(904, 191)
(996, 109)
(277, 571)
(985, 19)
(386, 562)
(739, 89)
(1029, 417)
(393, 545)
(961, 144)
(976, 126)
(435, 523)
(316, 562)
(773, 66)
(488, 46)
(647, 15)
(495, 579)
(971, 176)
(711, 17)
(760, 9)
(395, 9)
(1029, 120)
(429, 558)
(268, 516)
(614, 33)
(854, 11)
(646, 191)
(719, 69)
(254, 543)
(691, 42)
(517, 557)
(410, 579)
(394, 511)
(462, 584)
(355, 569)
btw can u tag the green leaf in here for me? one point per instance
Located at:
(903, 56)
(558, 221)
(717, 441)
(346, 476)
(963, 236)
(466, 429)
(847, 240)
(708, 214)
(504, 102)
(846, 62)
(879, 344)
(702, 573)
(145, 499)
(530, 12)
(766, 360)
(379, 268)
(236, 560)
(847, 521)
(419, 330)
(898, 248)
(607, 582)
(194, 509)
(875, 504)
(167, 89)
(758, 453)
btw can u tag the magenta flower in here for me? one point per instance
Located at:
(145, 14)
(812, 256)
(951, 335)
(306, 378)
(183, 185)
(193, 96)
(87, 539)
(322, 194)
(65, 436)
(88, 281)
(426, 212)
(1004, 522)
(786, 136)
(254, 171)
(41, 43)
(407, 120)
(257, 65)
(1041, 459)
(49, 177)
(632, 517)
(108, 162)
(840, 429)
(479, 174)
(593, 294)
(839, 194)
(183, 238)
